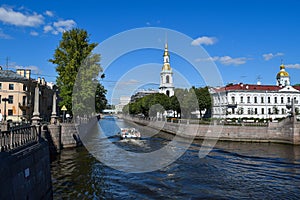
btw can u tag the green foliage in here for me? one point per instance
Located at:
(184, 102)
(74, 61)
(100, 99)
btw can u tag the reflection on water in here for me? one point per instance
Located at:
(232, 170)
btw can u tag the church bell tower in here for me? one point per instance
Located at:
(166, 75)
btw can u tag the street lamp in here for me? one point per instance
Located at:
(5, 100)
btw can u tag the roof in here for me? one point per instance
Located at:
(8, 75)
(249, 87)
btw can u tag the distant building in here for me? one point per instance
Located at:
(18, 88)
(256, 101)
(124, 100)
(141, 94)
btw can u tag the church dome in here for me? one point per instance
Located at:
(279, 74)
(282, 72)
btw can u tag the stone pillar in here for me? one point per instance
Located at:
(36, 114)
(53, 114)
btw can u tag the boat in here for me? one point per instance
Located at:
(130, 133)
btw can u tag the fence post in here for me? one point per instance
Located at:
(11, 139)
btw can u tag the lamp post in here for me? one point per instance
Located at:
(5, 100)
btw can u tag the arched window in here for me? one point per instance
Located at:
(168, 93)
(167, 79)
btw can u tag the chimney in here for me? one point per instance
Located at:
(27, 73)
(20, 72)
(43, 81)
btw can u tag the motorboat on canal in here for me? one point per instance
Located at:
(129, 133)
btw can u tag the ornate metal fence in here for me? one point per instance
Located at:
(17, 137)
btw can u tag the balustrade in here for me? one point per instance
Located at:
(17, 137)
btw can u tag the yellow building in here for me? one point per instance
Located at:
(17, 95)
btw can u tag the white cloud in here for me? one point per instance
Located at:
(204, 40)
(225, 60)
(64, 25)
(9, 16)
(49, 13)
(270, 56)
(34, 69)
(60, 26)
(34, 33)
(295, 66)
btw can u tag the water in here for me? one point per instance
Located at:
(232, 170)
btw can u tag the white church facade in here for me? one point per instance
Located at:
(256, 101)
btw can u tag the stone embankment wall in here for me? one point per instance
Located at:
(287, 131)
(67, 135)
(25, 174)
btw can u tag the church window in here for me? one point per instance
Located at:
(168, 93)
(167, 79)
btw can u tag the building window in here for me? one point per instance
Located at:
(262, 99)
(248, 99)
(255, 111)
(275, 99)
(269, 99)
(255, 99)
(269, 111)
(249, 111)
(282, 111)
(10, 99)
(233, 99)
(9, 112)
(24, 101)
(242, 99)
(282, 100)
(168, 93)
(11, 86)
(289, 99)
(262, 111)
(24, 87)
(0, 86)
(0, 100)
(167, 79)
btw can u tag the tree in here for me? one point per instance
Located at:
(100, 99)
(204, 99)
(74, 54)
(175, 106)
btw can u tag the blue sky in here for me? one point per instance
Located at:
(245, 39)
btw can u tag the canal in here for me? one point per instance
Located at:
(232, 170)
